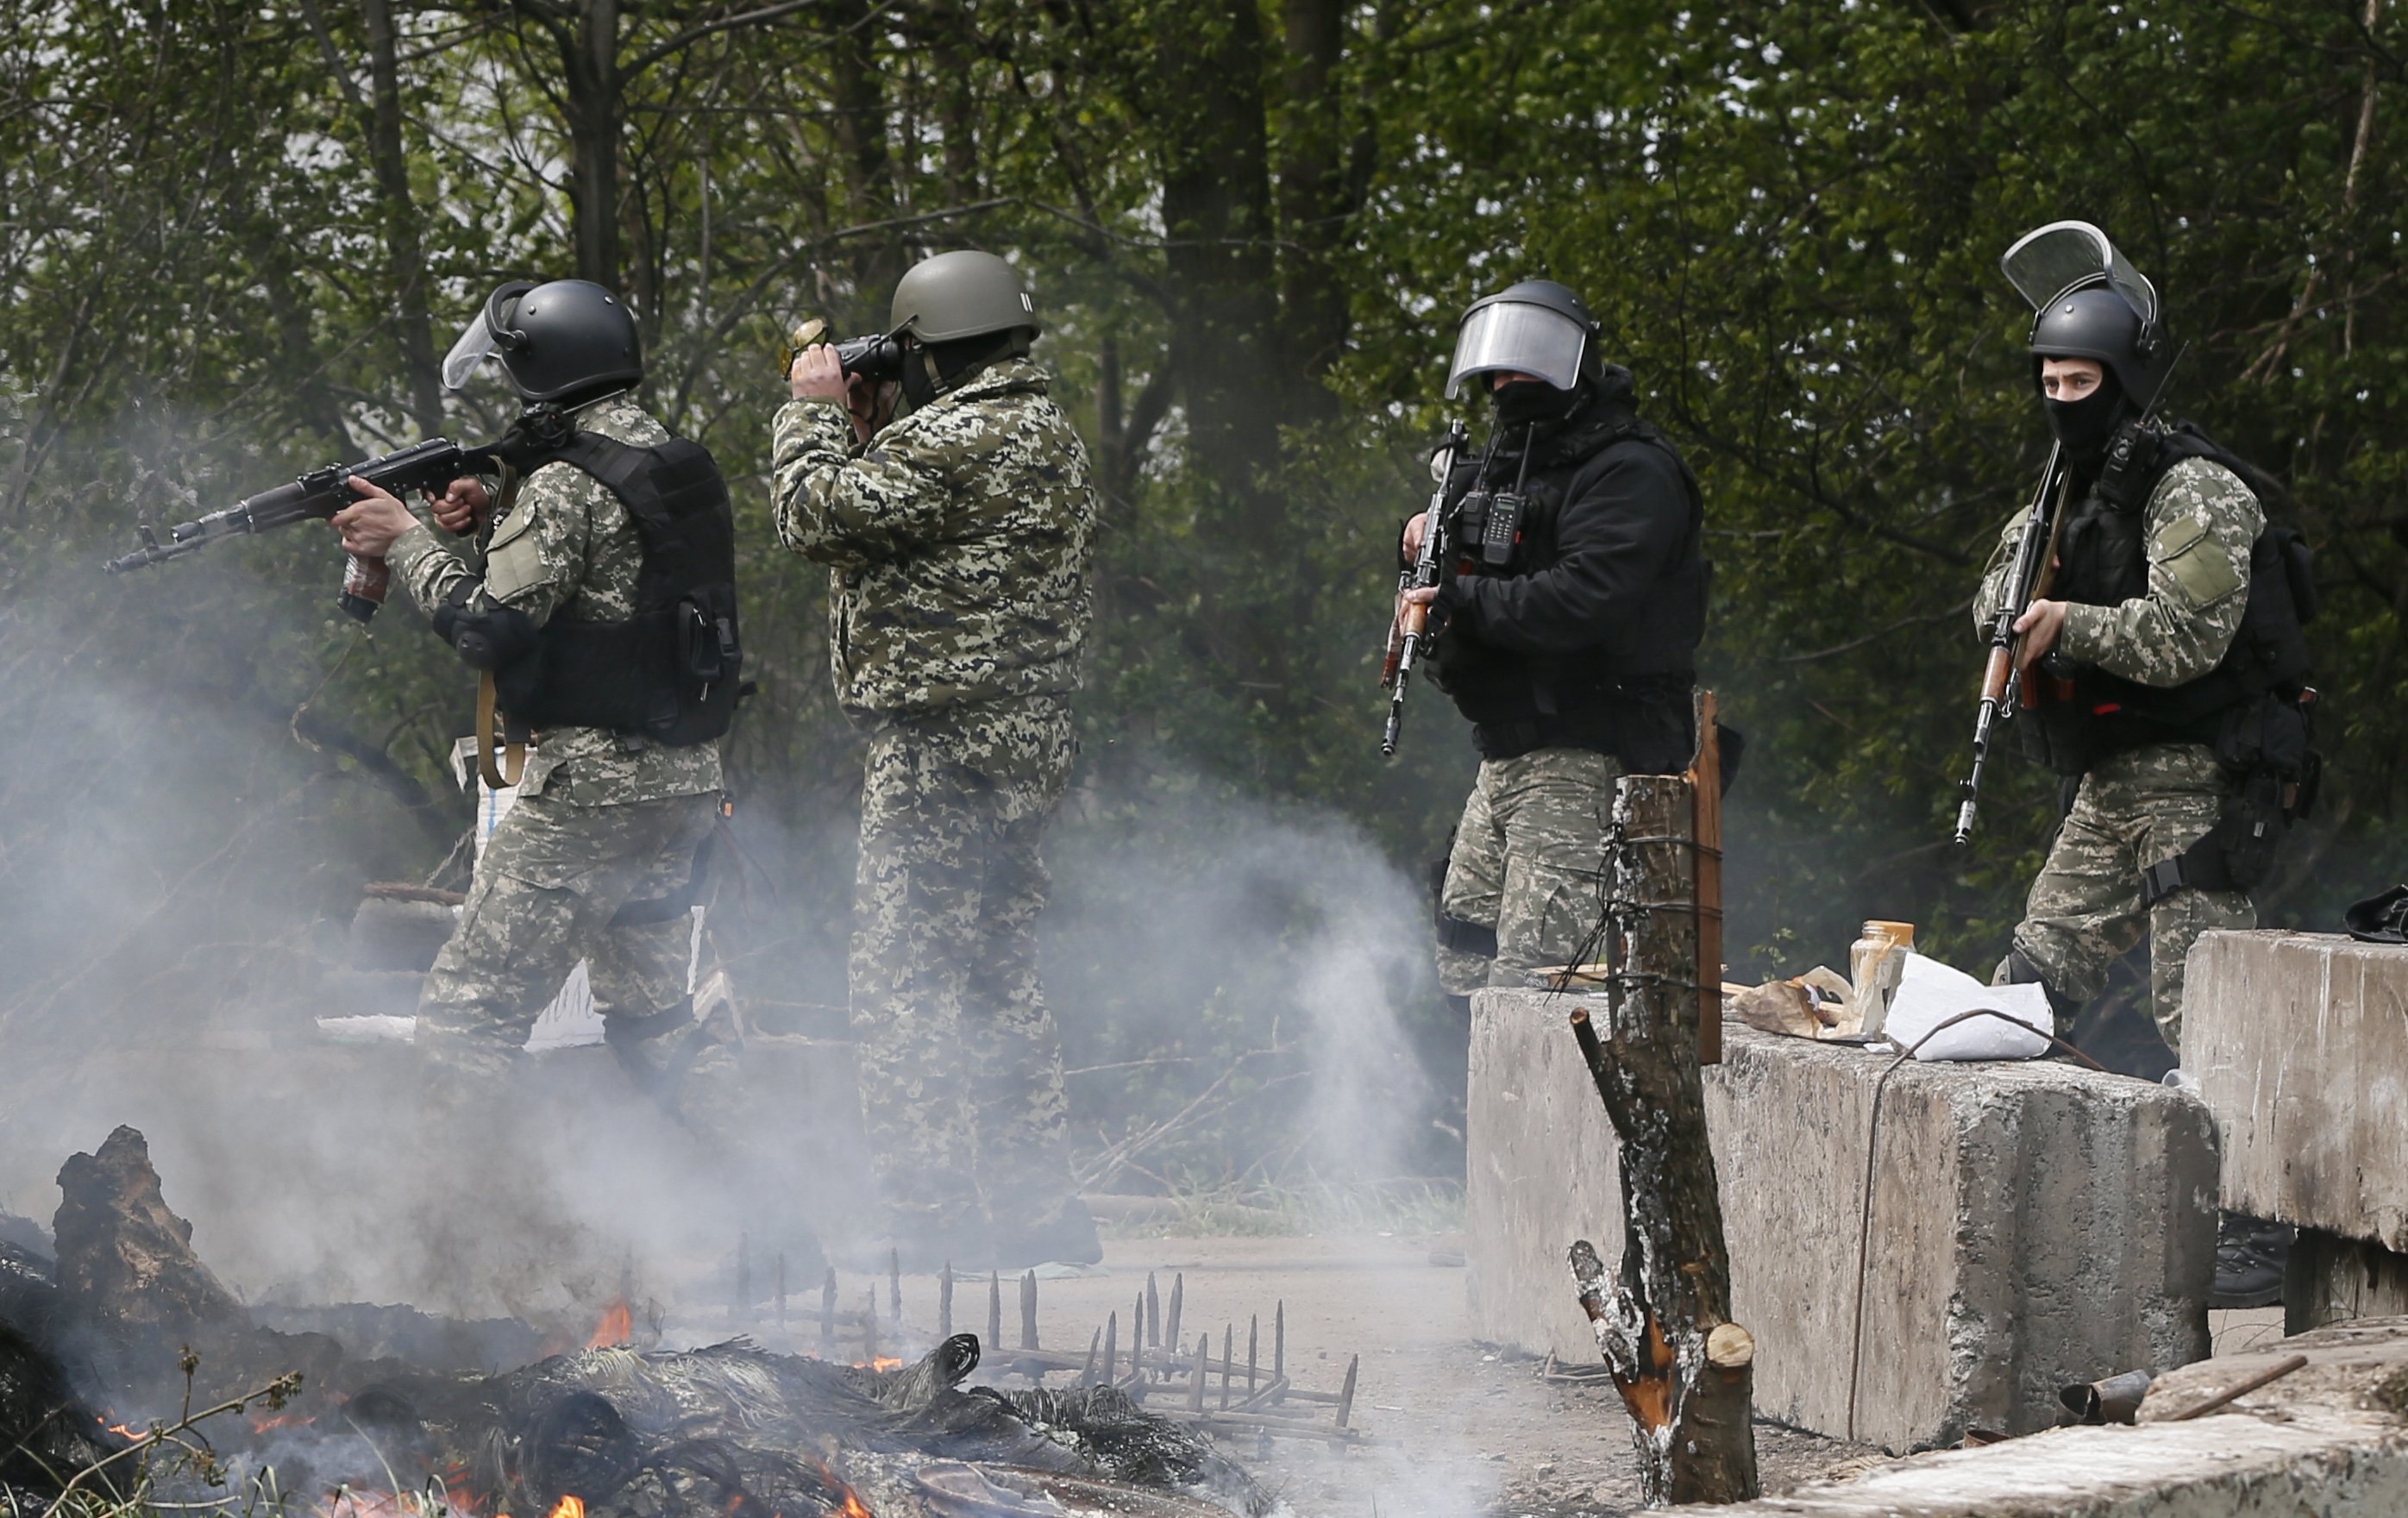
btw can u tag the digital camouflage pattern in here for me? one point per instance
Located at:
(560, 543)
(2200, 520)
(2134, 809)
(1529, 861)
(552, 876)
(961, 1065)
(2142, 806)
(959, 539)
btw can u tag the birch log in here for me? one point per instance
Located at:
(1662, 1317)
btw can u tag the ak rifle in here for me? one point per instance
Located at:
(1409, 633)
(2027, 580)
(316, 497)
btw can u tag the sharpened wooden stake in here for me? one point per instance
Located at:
(1111, 1346)
(1346, 1392)
(1137, 1342)
(827, 1315)
(1170, 1319)
(893, 1286)
(1279, 1341)
(870, 1329)
(1087, 1371)
(1154, 1314)
(1228, 1342)
(994, 1311)
(1253, 1334)
(1196, 1377)
(742, 1307)
(1029, 1310)
(945, 1302)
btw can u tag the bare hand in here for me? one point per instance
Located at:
(371, 525)
(2040, 625)
(461, 507)
(1413, 530)
(1423, 596)
(818, 376)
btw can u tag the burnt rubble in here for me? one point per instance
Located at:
(128, 1324)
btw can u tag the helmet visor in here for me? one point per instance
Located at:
(479, 339)
(2063, 256)
(1511, 337)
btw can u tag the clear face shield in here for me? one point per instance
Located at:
(2065, 256)
(481, 338)
(1509, 336)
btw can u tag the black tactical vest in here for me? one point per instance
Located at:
(2104, 561)
(669, 672)
(1633, 702)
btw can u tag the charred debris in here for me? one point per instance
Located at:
(129, 1372)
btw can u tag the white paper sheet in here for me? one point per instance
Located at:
(1930, 993)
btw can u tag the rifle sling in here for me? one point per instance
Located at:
(514, 753)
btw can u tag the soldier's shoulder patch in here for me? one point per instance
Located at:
(2198, 561)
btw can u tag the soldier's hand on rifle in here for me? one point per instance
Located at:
(1414, 526)
(2040, 625)
(461, 507)
(370, 524)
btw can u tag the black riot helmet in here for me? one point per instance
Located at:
(2088, 303)
(569, 340)
(1537, 327)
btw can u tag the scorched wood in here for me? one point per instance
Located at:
(1662, 1319)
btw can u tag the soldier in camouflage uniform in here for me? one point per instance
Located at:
(960, 538)
(606, 821)
(2133, 643)
(1573, 656)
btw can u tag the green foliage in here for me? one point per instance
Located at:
(1787, 214)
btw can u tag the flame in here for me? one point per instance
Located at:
(288, 1420)
(853, 1507)
(570, 1505)
(880, 1363)
(617, 1326)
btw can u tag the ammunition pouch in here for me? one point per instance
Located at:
(486, 637)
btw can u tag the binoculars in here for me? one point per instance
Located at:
(876, 358)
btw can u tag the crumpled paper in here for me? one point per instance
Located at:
(1930, 993)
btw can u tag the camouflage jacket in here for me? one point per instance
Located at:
(560, 543)
(2198, 524)
(960, 540)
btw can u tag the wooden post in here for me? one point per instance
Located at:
(869, 1328)
(1170, 1318)
(1111, 1345)
(1029, 1310)
(1228, 1344)
(1154, 1314)
(945, 1302)
(1087, 1371)
(1196, 1381)
(994, 1311)
(827, 1315)
(1706, 824)
(1662, 1319)
(894, 1284)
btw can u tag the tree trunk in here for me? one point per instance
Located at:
(1662, 1319)
(589, 57)
(1313, 204)
(405, 252)
(859, 92)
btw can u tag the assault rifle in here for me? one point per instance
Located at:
(1409, 633)
(2027, 580)
(317, 496)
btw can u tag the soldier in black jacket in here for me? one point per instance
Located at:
(1571, 646)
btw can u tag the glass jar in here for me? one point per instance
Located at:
(1875, 962)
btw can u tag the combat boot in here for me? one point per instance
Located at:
(2250, 1256)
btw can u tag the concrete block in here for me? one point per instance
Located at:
(2327, 1441)
(2299, 1041)
(2032, 1224)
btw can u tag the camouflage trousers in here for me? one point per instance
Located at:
(2133, 811)
(552, 877)
(961, 1065)
(1527, 862)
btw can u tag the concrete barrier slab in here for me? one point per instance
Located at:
(2299, 1041)
(2327, 1441)
(2032, 1224)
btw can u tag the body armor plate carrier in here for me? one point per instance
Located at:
(670, 671)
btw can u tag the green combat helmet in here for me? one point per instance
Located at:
(958, 295)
